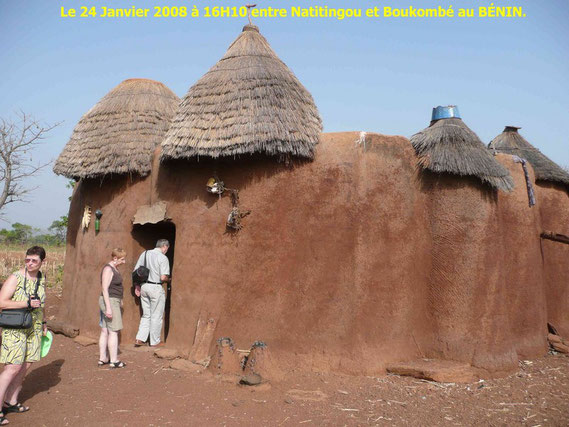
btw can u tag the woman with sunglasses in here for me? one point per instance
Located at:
(21, 347)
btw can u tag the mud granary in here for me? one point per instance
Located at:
(357, 250)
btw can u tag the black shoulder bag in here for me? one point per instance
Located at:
(20, 318)
(140, 275)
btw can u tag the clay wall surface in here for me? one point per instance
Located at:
(486, 294)
(461, 213)
(88, 251)
(521, 266)
(553, 202)
(325, 269)
(345, 263)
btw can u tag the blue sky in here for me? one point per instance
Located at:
(378, 75)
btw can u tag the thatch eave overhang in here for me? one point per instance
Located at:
(449, 146)
(510, 141)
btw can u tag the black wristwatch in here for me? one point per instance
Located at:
(30, 302)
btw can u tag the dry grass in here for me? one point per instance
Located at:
(119, 134)
(249, 102)
(12, 258)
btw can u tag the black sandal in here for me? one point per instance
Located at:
(2, 419)
(101, 363)
(117, 364)
(16, 408)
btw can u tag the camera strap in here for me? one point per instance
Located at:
(37, 283)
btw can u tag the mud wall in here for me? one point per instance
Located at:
(553, 202)
(521, 267)
(345, 263)
(323, 270)
(486, 285)
(88, 251)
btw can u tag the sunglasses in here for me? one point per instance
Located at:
(32, 261)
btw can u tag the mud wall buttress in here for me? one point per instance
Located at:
(553, 203)
(487, 280)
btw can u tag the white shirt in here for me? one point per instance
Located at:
(156, 262)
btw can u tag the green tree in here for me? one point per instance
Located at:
(20, 233)
(58, 228)
(71, 185)
(46, 239)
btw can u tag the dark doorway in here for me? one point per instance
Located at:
(147, 235)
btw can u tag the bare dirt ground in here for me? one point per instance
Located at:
(67, 388)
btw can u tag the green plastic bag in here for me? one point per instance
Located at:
(46, 341)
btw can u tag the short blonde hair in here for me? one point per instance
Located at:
(118, 253)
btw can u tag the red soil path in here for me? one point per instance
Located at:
(67, 388)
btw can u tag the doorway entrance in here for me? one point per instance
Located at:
(147, 235)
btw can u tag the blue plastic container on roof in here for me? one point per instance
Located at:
(447, 112)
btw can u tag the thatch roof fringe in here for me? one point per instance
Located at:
(449, 146)
(511, 142)
(249, 102)
(120, 133)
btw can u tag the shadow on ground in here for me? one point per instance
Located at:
(41, 379)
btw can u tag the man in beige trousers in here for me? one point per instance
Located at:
(151, 293)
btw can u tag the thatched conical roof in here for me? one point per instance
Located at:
(511, 142)
(249, 102)
(449, 146)
(120, 133)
